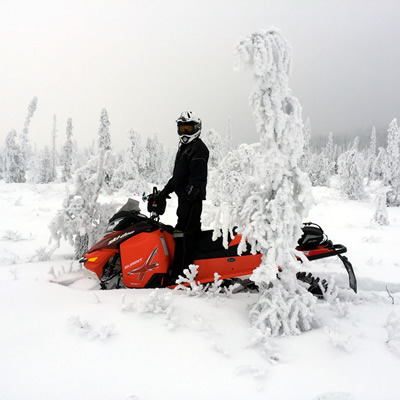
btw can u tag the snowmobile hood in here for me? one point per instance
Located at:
(115, 239)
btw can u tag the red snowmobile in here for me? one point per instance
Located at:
(137, 251)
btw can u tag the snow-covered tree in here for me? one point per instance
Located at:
(215, 145)
(24, 140)
(392, 176)
(105, 144)
(371, 156)
(319, 169)
(381, 214)
(83, 219)
(68, 154)
(228, 142)
(45, 173)
(53, 154)
(350, 168)
(305, 159)
(104, 131)
(1, 164)
(128, 174)
(380, 165)
(156, 162)
(13, 167)
(328, 153)
(226, 188)
(137, 155)
(322, 166)
(276, 195)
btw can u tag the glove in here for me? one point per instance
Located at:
(156, 203)
(163, 194)
(191, 193)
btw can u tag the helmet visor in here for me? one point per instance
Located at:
(185, 129)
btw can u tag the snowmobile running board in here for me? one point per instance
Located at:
(338, 250)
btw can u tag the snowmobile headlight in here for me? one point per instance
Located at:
(93, 259)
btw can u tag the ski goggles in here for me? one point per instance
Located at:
(185, 128)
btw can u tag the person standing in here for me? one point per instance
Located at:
(188, 181)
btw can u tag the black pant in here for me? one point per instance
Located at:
(189, 215)
(189, 222)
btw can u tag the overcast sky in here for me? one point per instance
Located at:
(145, 61)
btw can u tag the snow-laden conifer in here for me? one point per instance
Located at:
(83, 218)
(53, 156)
(350, 169)
(381, 216)
(13, 167)
(68, 154)
(215, 145)
(24, 138)
(104, 144)
(392, 175)
(321, 166)
(305, 159)
(380, 164)
(156, 170)
(128, 174)
(104, 131)
(275, 196)
(228, 142)
(371, 156)
(45, 172)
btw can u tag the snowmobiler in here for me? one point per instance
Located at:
(137, 251)
(189, 182)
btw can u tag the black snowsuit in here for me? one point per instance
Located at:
(189, 181)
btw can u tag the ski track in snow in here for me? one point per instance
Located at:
(78, 342)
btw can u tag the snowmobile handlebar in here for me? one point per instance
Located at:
(156, 204)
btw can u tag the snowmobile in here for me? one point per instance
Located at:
(137, 251)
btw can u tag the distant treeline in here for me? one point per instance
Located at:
(345, 139)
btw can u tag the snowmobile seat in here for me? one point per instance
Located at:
(205, 247)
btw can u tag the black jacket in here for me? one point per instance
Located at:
(190, 170)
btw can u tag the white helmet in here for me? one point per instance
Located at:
(189, 127)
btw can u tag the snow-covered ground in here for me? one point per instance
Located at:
(60, 342)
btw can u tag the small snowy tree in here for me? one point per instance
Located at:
(381, 214)
(104, 131)
(156, 162)
(392, 176)
(215, 144)
(328, 153)
(322, 166)
(318, 170)
(45, 172)
(380, 164)
(83, 219)
(128, 174)
(25, 147)
(350, 168)
(305, 159)
(371, 157)
(53, 154)
(13, 168)
(228, 142)
(277, 195)
(68, 154)
(105, 145)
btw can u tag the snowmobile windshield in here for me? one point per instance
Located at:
(112, 225)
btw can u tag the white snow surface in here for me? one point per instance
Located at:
(78, 342)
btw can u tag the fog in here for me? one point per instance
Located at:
(146, 61)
